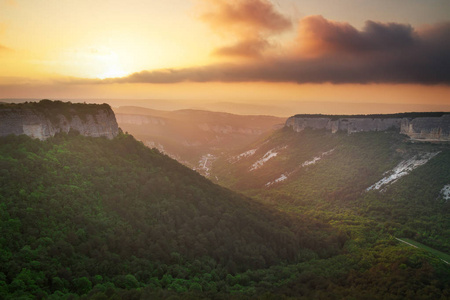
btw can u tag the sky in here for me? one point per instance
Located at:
(277, 57)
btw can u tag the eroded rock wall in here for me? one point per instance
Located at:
(433, 129)
(37, 124)
(349, 125)
(420, 128)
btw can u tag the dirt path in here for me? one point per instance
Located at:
(419, 248)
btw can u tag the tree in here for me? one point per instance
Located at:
(82, 285)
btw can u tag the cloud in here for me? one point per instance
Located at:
(249, 22)
(4, 49)
(318, 36)
(327, 51)
(244, 16)
(9, 2)
(244, 48)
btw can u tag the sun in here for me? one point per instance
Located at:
(113, 71)
(106, 63)
(95, 62)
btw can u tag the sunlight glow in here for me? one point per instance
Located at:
(112, 72)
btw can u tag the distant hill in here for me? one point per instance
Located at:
(194, 137)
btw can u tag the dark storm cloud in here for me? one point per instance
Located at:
(317, 35)
(333, 52)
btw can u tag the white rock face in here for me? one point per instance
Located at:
(348, 124)
(283, 177)
(205, 164)
(402, 169)
(101, 122)
(259, 163)
(428, 129)
(317, 158)
(36, 131)
(242, 155)
(417, 128)
(445, 192)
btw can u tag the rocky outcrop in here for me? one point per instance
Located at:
(44, 120)
(433, 129)
(418, 126)
(349, 125)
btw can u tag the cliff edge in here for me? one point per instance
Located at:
(418, 126)
(46, 118)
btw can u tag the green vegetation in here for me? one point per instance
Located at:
(333, 190)
(78, 212)
(441, 255)
(410, 207)
(92, 218)
(51, 109)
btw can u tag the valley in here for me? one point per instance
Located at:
(283, 214)
(365, 173)
(225, 150)
(194, 137)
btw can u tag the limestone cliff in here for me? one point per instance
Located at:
(349, 124)
(46, 118)
(427, 128)
(419, 126)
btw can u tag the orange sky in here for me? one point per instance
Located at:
(285, 53)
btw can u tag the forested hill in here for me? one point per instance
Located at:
(82, 215)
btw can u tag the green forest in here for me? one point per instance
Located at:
(92, 218)
(51, 109)
(334, 189)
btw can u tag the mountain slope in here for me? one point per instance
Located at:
(381, 175)
(92, 218)
(78, 211)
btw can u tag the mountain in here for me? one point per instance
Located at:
(386, 190)
(94, 218)
(194, 137)
(46, 118)
(82, 214)
(383, 175)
